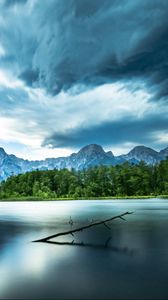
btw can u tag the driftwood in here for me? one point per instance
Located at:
(72, 231)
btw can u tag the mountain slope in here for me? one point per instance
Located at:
(89, 156)
(164, 153)
(142, 153)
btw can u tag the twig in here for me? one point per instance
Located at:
(71, 221)
(122, 218)
(106, 226)
(83, 228)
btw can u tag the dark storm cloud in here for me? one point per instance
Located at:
(76, 45)
(29, 77)
(13, 2)
(59, 43)
(130, 130)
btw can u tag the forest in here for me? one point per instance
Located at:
(102, 181)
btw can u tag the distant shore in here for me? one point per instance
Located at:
(83, 198)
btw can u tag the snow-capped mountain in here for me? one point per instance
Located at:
(88, 156)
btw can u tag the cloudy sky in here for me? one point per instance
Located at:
(75, 72)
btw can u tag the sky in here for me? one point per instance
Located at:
(78, 72)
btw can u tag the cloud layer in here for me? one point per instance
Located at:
(74, 72)
(83, 41)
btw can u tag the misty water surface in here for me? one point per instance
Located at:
(134, 266)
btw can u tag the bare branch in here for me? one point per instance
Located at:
(122, 218)
(82, 228)
(106, 226)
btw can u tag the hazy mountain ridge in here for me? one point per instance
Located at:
(88, 156)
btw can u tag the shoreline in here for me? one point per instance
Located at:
(36, 199)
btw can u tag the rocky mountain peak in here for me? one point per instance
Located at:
(164, 152)
(2, 150)
(2, 153)
(92, 149)
(110, 154)
(142, 150)
(143, 153)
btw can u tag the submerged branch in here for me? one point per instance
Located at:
(104, 222)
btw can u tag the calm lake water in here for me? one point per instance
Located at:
(134, 266)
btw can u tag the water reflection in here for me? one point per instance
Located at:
(48, 270)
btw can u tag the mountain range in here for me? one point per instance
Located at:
(89, 156)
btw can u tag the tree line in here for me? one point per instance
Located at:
(102, 181)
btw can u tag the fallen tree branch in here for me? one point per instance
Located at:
(83, 228)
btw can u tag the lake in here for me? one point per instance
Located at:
(133, 266)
